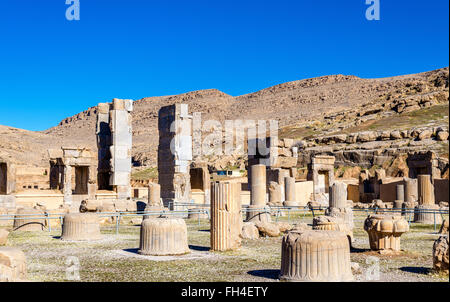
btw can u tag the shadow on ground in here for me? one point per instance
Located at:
(416, 270)
(266, 273)
(199, 248)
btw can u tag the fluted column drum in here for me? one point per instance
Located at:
(328, 223)
(29, 219)
(427, 214)
(410, 190)
(385, 231)
(226, 219)
(425, 190)
(315, 256)
(338, 195)
(163, 237)
(81, 227)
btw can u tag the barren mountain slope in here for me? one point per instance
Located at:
(290, 103)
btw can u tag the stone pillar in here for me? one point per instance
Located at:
(315, 256)
(338, 204)
(175, 153)
(122, 137)
(226, 219)
(81, 227)
(410, 190)
(258, 211)
(163, 237)
(425, 190)
(154, 194)
(290, 193)
(400, 192)
(338, 195)
(275, 194)
(258, 185)
(67, 190)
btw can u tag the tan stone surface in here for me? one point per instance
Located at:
(81, 227)
(13, 265)
(163, 237)
(25, 220)
(3, 236)
(385, 231)
(249, 231)
(226, 219)
(315, 256)
(440, 254)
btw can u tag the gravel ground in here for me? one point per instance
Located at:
(115, 258)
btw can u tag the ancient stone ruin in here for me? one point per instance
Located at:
(425, 212)
(339, 206)
(163, 237)
(321, 172)
(385, 231)
(13, 265)
(327, 223)
(440, 254)
(226, 218)
(73, 165)
(315, 256)
(29, 219)
(257, 210)
(81, 227)
(175, 153)
(114, 141)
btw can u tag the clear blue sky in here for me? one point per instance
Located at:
(51, 68)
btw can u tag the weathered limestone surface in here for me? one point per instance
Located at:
(328, 223)
(3, 236)
(226, 220)
(444, 227)
(275, 194)
(321, 165)
(249, 231)
(81, 227)
(267, 229)
(410, 188)
(338, 195)
(163, 237)
(198, 213)
(315, 256)
(13, 265)
(398, 205)
(25, 221)
(290, 192)
(257, 209)
(427, 214)
(154, 194)
(400, 192)
(440, 254)
(258, 185)
(174, 153)
(425, 190)
(385, 231)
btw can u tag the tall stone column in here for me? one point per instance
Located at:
(175, 153)
(257, 209)
(338, 204)
(400, 192)
(289, 188)
(122, 137)
(426, 211)
(425, 190)
(274, 193)
(67, 190)
(410, 189)
(226, 219)
(154, 194)
(338, 195)
(258, 185)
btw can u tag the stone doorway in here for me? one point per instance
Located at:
(81, 180)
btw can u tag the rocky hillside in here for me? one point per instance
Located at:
(313, 107)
